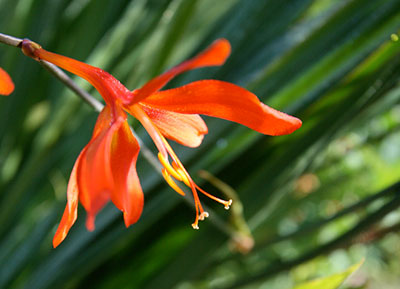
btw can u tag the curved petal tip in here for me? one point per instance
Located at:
(277, 122)
(220, 49)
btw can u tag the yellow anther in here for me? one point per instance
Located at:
(184, 177)
(175, 166)
(168, 167)
(171, 182)
(182, 173)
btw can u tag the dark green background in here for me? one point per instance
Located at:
(333, 63)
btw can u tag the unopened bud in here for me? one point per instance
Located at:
(29, 48)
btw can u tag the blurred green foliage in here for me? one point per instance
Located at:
(315, 202)
(331, 282)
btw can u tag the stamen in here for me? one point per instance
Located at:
(175, 159)
(182, 173)
(203, 216)
(226, 204)
(175, 166)
(171, 182)
(195, 225)
(154, 133)
(200, 206)
(168, 167)
(178, 171)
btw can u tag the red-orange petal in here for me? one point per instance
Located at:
(6, 83)
(109, 87)
(127, 194)
(186, 129)
(71, 210)
(95, 177)
(214, 55)
(227, 101)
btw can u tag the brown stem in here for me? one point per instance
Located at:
(9, 40)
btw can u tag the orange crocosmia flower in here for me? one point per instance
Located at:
(106, 168)
(6, 84)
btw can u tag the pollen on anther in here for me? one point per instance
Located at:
(228, 204)
(203, 216)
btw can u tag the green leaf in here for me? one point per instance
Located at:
(332, 281)
(333, 63)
